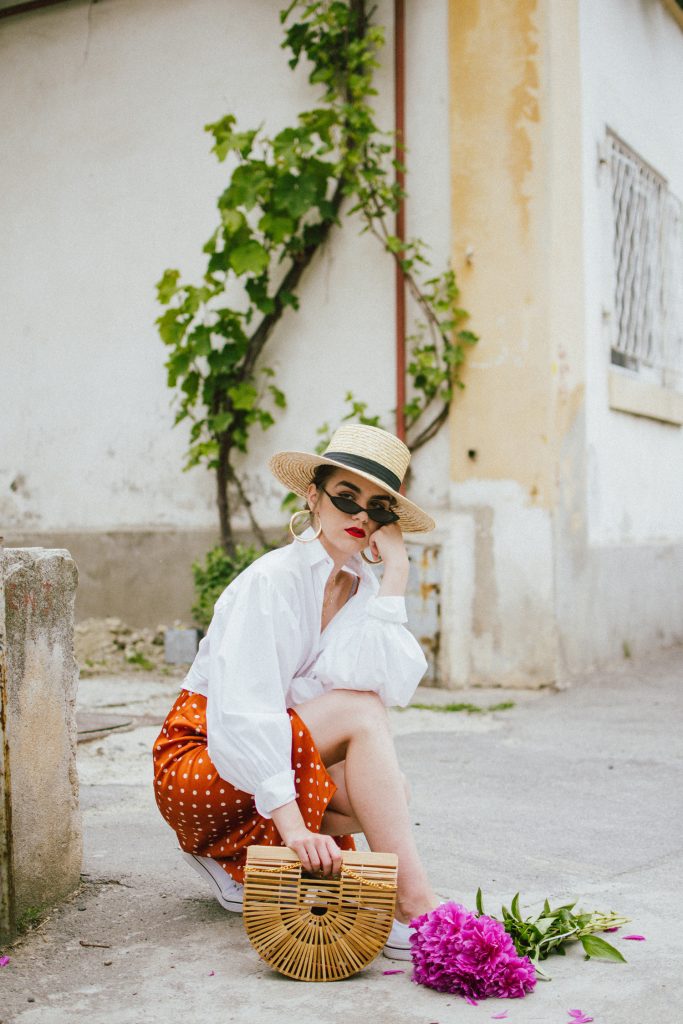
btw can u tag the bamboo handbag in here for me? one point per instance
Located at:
(318, 929)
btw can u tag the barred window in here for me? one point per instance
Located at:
(647, 334)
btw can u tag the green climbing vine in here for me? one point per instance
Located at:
(283, 196)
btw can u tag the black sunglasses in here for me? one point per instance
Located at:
(378, 513)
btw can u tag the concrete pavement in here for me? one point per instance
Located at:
(570, 794)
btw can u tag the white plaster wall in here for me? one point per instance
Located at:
(498, 589)
(428, 182)
(632, 70)
(108, 180)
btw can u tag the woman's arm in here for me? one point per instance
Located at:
(388, 543)
(254, 648)
(316, 852)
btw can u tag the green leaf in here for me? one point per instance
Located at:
(226, 140)
(232, 220)
(250, 183)
(172, 327)
(542, 924)
(210, 245)
(598, 948)
(479, 902)
(280, 400)
(191, 385)
(297, 193)
(167, 286)
(243, 396)
(219, 262)
(205, 450)
(220, 422)
(277, 227)
(514, 906)
(265, 419)
(250, 258)
(468, 337)
(257, 290)
(179, 361)
(200, 340)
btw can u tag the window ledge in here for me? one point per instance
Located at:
(642, 398)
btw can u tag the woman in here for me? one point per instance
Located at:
(280, 735)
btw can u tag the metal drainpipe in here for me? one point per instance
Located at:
(399, 127)
(7, 921)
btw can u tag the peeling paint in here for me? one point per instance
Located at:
(423, 601)
(524, 108)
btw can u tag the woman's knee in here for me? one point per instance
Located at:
(338, 716)
(364, 709)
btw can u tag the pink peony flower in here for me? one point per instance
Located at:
(455, 951)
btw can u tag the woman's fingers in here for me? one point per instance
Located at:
(388, 541)
(318, 854)
(332, 857)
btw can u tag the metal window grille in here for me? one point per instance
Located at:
(648, 264)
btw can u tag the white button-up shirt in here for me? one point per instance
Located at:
(264, 652)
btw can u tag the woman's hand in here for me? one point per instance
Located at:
(387, 543)
(317, 853)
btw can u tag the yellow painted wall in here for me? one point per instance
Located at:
(515, 151)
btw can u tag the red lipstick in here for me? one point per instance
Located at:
(355, 531)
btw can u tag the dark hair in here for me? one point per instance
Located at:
(320, 476)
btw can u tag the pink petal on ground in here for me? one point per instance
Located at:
(211, 974)
(616, 929)
(579, 1017)
(635, 938)
(472, 1002)
(393, 972)
(4, 960)
(499, 1016)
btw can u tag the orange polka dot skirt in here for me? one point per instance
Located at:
(212, 818)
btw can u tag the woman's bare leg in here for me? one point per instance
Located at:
(339, 819)
(352, 726)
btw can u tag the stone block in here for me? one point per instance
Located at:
(180, 646)
(40, 724)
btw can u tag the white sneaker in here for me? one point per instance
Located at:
(228, 892)
(398, 945)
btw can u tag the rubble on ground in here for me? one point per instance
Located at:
(110, 647)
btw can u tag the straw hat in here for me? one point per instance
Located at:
(370, 452)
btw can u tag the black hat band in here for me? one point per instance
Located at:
(366, 466)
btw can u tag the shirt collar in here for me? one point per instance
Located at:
(313, 553)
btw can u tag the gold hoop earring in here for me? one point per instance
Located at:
(370, 561)
(309, 515)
